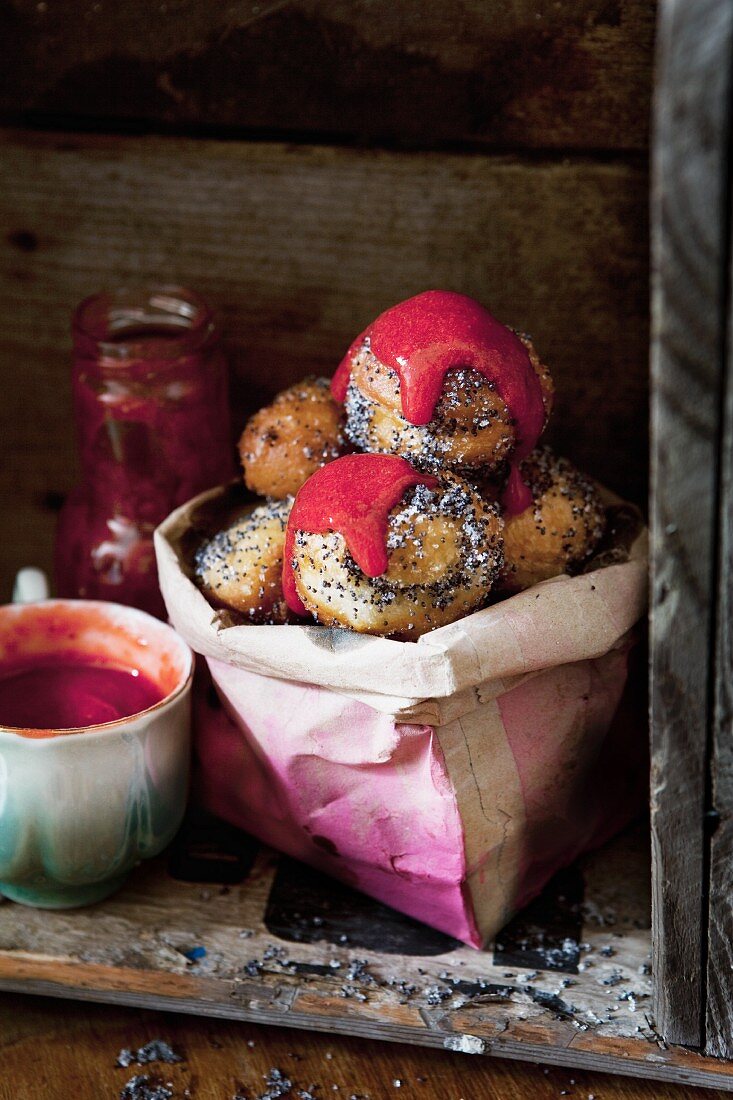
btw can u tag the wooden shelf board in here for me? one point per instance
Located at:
(566, 983)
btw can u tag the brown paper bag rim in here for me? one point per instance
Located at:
(561, 620)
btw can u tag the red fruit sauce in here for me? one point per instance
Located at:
(424, 337)
(352, 496)
(44, 693)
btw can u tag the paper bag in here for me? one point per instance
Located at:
(448, 777)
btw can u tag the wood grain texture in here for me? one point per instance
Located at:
(301, 248)
(533, 73)
(134, 949)
(719, 1018)
(689, 259)
(48, 1048)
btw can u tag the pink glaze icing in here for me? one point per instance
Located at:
(424, 337)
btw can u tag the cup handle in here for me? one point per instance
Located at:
(31, 585)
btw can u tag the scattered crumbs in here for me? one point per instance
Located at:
(351, 992)
(278, 1085)
(157, 1050)
(359, 972)
(246, 933)
(436, 994)
(397, 1083)
(279, 954)
(406, 989)
(143, 1087)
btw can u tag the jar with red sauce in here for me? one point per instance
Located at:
(152, 417)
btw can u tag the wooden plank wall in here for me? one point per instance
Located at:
(494, 149)
(719, 1017)
(527, 74)
(719, 1012)
(692, 777)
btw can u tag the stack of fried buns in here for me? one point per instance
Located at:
(409, 490)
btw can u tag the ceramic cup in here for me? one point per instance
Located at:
(79, 808)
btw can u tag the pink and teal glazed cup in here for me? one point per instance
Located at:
(80, 807)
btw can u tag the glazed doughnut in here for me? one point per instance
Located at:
(240, 568)
(286, 441)
(559, 530)
(441, 546)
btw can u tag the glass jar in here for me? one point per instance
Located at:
(152, 417)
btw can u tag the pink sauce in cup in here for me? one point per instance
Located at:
(70, 692)
(68, 666)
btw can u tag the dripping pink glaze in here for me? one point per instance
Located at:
(352, 496)
(424, 337)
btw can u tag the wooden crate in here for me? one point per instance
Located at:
(304, 166)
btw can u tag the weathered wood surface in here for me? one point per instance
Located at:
(533, 73)
(719, 1025)
(71, 1049)
(689, 259)
(567, 982)
(719, 1021)
(301, 247)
